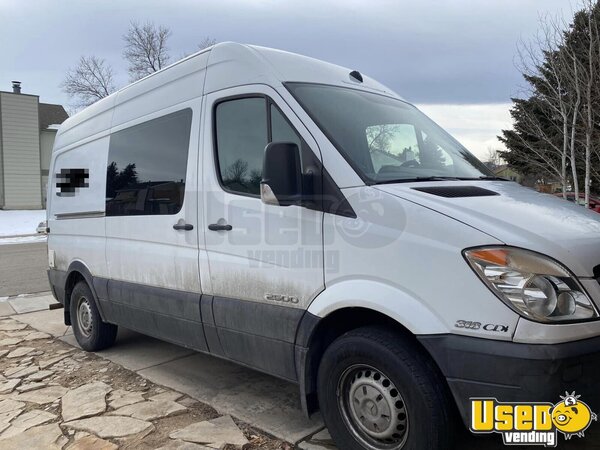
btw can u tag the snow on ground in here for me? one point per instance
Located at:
(23, 239)
(15, 223)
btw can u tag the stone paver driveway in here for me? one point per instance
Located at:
(53, 396)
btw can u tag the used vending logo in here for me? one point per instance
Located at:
(532, 423)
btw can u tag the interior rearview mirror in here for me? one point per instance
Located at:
(281, 178)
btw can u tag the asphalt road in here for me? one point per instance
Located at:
(23, 269)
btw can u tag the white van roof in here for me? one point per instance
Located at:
(233, 64)
(230, 64)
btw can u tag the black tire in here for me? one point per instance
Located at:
(92, 335)
(356, 403)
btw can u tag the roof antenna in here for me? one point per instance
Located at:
(355, 74)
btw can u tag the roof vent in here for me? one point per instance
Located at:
(356, 76)
(456, 191)
(16, 85)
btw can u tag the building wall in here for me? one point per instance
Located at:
(1, 162)
(506, 172)
(46, 143)
(19, 120)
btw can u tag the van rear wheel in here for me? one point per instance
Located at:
(378, 391)
(90, 332)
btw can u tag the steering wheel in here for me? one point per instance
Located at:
(410, 163)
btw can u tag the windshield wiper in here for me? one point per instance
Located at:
(441, 178)
(483, 177)
(493, 178)
(418, 179)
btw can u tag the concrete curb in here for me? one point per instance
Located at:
(26, 303)
(29, 294)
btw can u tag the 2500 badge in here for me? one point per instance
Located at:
(470, 325)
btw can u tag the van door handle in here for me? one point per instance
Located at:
(219, 227)
(183, 226)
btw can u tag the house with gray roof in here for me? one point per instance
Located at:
(27, 132)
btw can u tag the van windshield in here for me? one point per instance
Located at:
(384, 139)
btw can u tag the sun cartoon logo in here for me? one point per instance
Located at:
(571, 416)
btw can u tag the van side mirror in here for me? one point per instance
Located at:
(281, 177)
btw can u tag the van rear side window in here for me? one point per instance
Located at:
(147, 165)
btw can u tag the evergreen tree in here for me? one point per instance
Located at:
(556, 131)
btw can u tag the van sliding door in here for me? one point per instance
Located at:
(152, 226)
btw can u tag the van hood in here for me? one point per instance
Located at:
(517, 216)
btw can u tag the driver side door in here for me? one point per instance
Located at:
(266, 261)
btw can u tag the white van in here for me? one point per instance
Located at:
(301, 219)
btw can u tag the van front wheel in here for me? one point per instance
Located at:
(377, 391)
(90, 332)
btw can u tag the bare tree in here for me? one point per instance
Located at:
(576, 85)
(206, 42)
(236, 172)
(89, 81)
(580, 52)
(593, 38)
(562, 67)
(379, 137)
(146, 49)
(493, 158)
(542, 62)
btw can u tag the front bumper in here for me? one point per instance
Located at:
(513, 372)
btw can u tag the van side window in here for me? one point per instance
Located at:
(147, 165)
(243, 128)
(241, 136)
(281, 130)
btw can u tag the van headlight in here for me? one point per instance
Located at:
(535, 286)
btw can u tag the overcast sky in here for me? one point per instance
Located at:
(454, 58)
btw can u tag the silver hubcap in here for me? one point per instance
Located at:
(84, 316)
(372, 408)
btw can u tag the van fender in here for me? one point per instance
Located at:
(396, 303)
(79, 267)
(393, 302)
